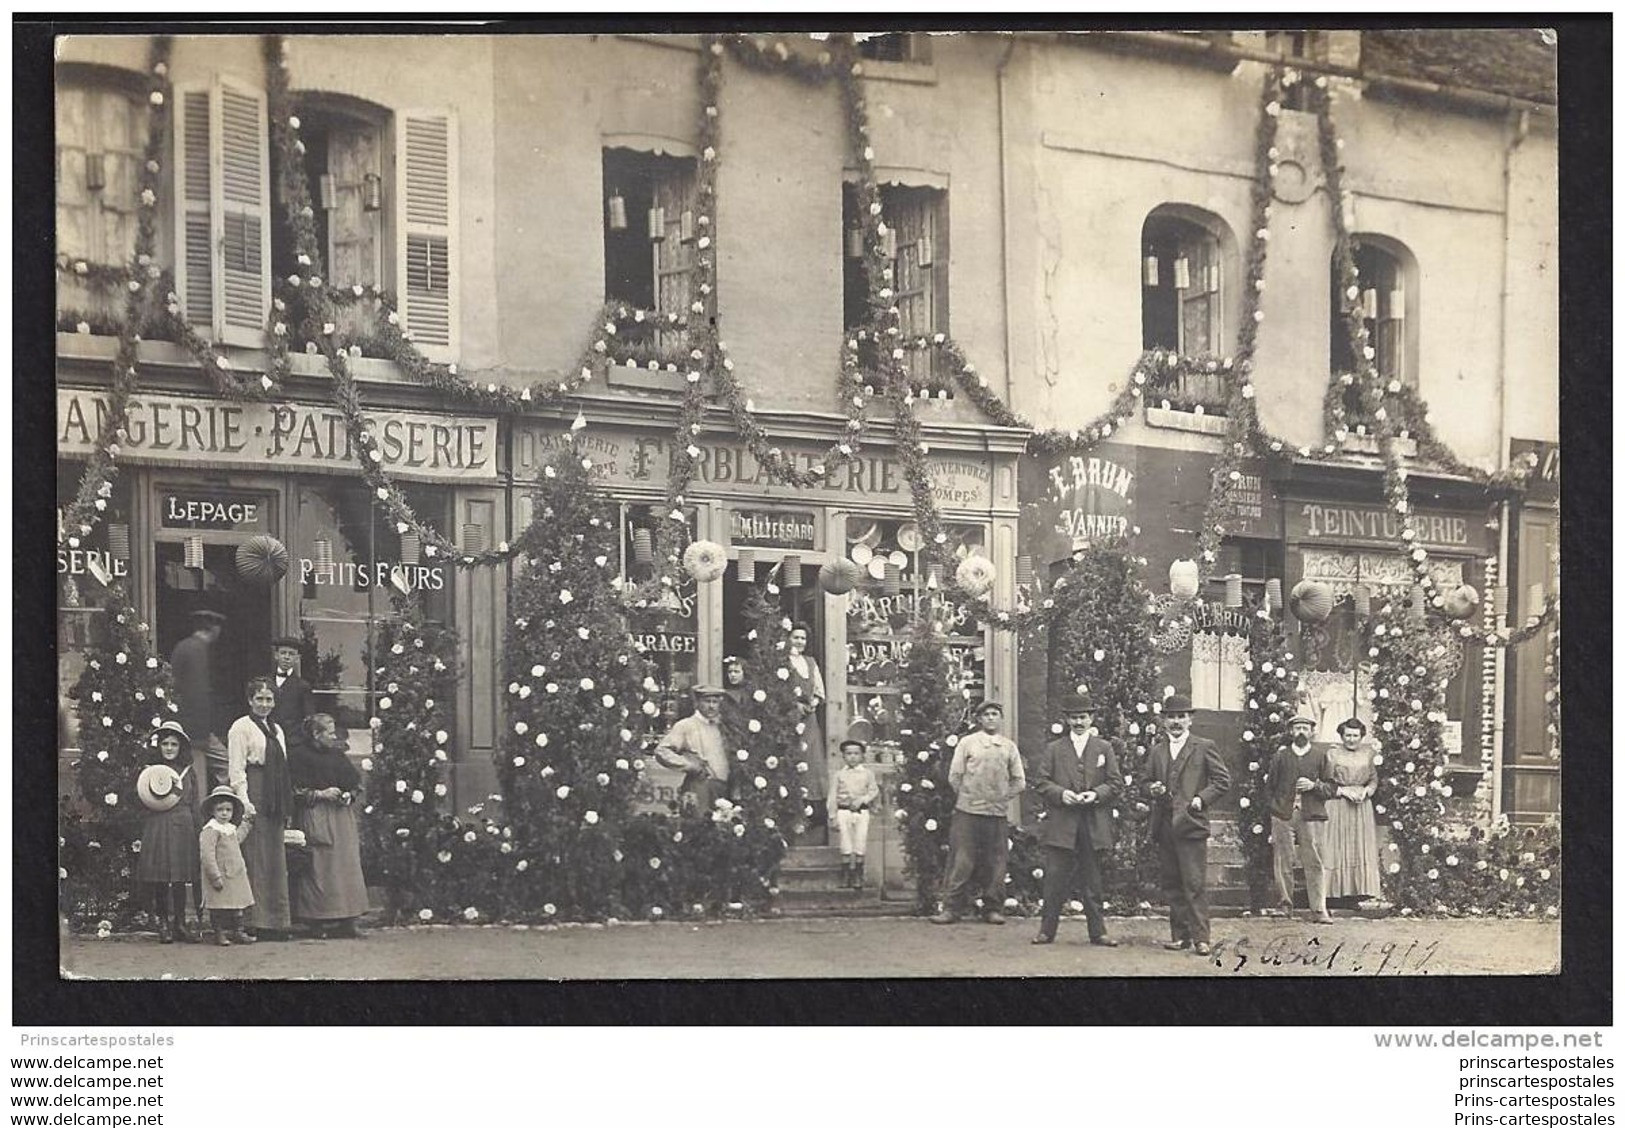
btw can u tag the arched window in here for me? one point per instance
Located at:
(1384, 298)
(1183, 274)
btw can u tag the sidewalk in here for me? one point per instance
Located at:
(812, 948)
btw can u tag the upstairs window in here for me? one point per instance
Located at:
(1301, 47)
(1381, 303)
(1180, 285)
(427, 270)
(896, 47)
(651, 232)
(916, 244)
(101, 137)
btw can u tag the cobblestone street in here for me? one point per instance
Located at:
(810, 948)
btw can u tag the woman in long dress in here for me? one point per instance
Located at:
(332, 893)
(257, 772)
(1352, 868)
(809, 683)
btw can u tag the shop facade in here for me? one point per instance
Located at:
(207, 488)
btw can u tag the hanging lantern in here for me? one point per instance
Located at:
(888, 243)
(1311, 601)
(1272, 595)
(1232, 591)
(118, 541)
(747, 565)
(323, 553)
(854, 242)
(1150, 275)
(1184, 579)
(923, 251)
(1396, 305)
(327, 191)
(1024, 572)
(411, 548)
(790, 571)
(893, 583)
(372, 192)
(643, 547)
(1362, 601)
(1368, 304)
(262, 560)
(685, 226)
(657, 225)
(1537, 599)
(473, 537)
(617, 211)
(95, 172)
(1461, 603)
(192, 552)
(839, 576)
(1419, 602)
(1502, 592)
(1182, 273)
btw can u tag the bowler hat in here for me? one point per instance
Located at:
(1176, 703)
(158, 787)
(225, 792)
(1076, 703)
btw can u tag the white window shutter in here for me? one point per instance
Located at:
(194, 213)
(427, 270)
(245, 219)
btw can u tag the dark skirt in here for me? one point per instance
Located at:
(267, 862)
(332, 888)
(169, 843)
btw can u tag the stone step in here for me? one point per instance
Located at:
(839, 902)
(808, 857)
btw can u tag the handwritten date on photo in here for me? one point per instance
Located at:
(1368, 957)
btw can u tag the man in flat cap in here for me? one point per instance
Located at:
(1078, 777)
(1300, 782)
(1185, 777)
(694, 747)
(295, 702)
(986, 774)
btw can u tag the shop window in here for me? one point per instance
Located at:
(1382, 269)
(1297, 47)
(651, 232)
(1219, 649)
(896, 47)
(881, 610)
(669, 629)
(1183, 264)
(917, 222)
(349, 561)
(101, 137)
(84, 576)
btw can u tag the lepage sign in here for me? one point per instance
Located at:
(179, 430)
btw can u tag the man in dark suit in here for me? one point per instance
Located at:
(1185, 777)
(191, 667)
(1079, 777)
(294, 700)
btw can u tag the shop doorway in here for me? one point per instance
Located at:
(210, 582)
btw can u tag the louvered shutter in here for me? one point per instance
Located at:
(427, 272)
(194, 257)
(245, 227)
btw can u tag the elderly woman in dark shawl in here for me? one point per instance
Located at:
(331, 893)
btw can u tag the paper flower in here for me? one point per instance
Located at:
(975, 575)
(705, 560)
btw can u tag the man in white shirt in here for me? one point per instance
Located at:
(694, 747)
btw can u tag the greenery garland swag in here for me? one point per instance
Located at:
(930, 724)
(1272, 692)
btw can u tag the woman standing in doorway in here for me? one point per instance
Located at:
(808, 681)
(257, 772)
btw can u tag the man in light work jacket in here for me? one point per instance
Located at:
(1185, 777)
(986, 774)
(1079, 778)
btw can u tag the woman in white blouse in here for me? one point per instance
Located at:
(257, 771)
(809, 684)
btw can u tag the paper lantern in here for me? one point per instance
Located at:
(1362, 601)
(893, 583)
(657, 225)
(262, 560)
(705, 560)
(323, 553)
(192, 552)
(1311, 601)
(411, 548)
(118, 541)
(617, 212)
(975, 575)
(839, 576)
(1024, 572)
(1461, 603)
(1419, 602)
(747, 566)
(790, 571)
(1272, 595)
(473, 537)
(643, 547)
(1232, 591)
(1184, 579)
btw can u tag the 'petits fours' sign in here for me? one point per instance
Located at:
(180, 430)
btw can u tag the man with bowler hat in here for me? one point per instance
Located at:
(986, 774)
(1078, 777)
(694, 747)
(1185, 777)
(295, 702)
